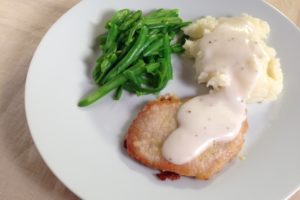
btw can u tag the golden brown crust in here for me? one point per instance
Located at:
(152, 126)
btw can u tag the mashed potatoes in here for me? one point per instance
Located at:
(268, 85)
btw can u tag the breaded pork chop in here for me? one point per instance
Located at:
(152, 126)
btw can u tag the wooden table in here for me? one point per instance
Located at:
(23, 174)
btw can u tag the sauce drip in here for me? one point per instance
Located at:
(233, 50)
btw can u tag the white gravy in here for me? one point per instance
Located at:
(231, 49)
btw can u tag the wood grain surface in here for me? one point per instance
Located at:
(23, 174)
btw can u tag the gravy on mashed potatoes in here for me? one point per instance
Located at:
(268, 85)
(231, 56)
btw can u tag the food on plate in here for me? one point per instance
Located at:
(201, 135)
(270, 81)
(155, 122)
(136, 53)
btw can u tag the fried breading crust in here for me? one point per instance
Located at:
(152, 126)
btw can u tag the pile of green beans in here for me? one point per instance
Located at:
(136, 53)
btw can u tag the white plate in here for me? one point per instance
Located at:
(83, 146)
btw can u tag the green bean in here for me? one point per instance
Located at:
(173, 25)
(118, 93)
(122, 37)
(131, 76)
(111, 37)
(154, 32)
(142, 90)
(112, 58)
(153, 47)
(106, 88)
(163, 75)
(155, 13)
(167, 55)
(137, 87)
(132, 31)
(118, 17)
(131, 56)
(164, 20)
(181, 25)
(158, 26)
(112, 48)
(133, 88)
(152, 67)
(136, 53)
(102, 91)
(163, 13)
(124, 50)
(150, 40)
(138, 64)
(177, 48)
(144, 78)
(128, 87)
(112, 84)
(129, 16)
(135, 16)
(103, 64)
(150, 59)
(163, 80)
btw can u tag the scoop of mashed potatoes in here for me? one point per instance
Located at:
(270, 82)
